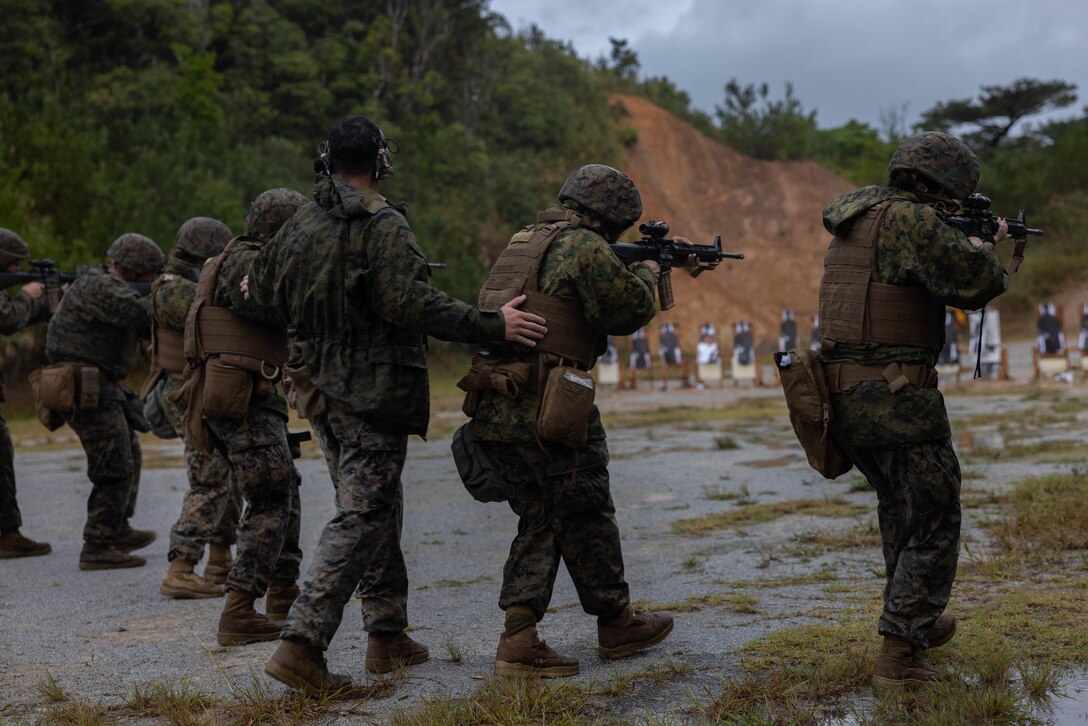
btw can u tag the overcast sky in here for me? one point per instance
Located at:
(846, 58)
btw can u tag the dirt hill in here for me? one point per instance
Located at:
(769, 210)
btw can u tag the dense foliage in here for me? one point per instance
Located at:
(133, 115)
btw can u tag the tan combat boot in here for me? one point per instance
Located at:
(129, 539)
(942, 631)
(281, 595)
(241, 624)
(898, 665)
(14, 544)
(181, 583)
(388, 651)
(524, 653)
(219, 563)
(632, 631)
(304, 667)
(104, 557)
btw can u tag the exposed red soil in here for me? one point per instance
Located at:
(769, 210)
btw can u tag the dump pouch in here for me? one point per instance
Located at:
(227, 390)
(475, 468)
(50, 419)
(57, 388)
(156, 414)
(804, 384)
(565, 405)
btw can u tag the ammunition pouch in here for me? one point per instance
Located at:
(508, 378)
(808, 398)
(67, 387)
(565, 405)
(227, 389)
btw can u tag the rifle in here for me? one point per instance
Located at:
(654, 245)
(44, 271)
(975, 220)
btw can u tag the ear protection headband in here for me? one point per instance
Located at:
(383, 162)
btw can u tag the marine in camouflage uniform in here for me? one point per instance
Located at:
(16, 313)
(348, 276)
(98, 323)
(900, 441)
(561, 494)
(212, 505)
(256, 446)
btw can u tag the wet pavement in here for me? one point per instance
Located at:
(101, 633)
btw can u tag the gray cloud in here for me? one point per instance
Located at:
(846, 58)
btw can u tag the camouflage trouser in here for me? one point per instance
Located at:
(360, 546)
(574, 521)
(260, 460)
(113, 466)
(213, 503)
(918, 488)
(10, 518)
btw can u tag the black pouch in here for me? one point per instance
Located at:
(156, 415)
(477, 471)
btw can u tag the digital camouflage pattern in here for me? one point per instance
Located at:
(918, 486)
(347, 274)
(260, 459)
(113, 464)
(212, 504)
(940, 157)
(915, 247)
(99, 321)
(12, 247)
(609, 195)
(573, 520)
(360, 546)
(580, 266)
(15, 314)
(136, 253)
(202, 237)
(270, 210)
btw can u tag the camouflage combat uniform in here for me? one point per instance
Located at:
(15, 314)
(561, 495)
(99, 322)
(901, 442)
(212, 505)
(259, 455)
(347, 274)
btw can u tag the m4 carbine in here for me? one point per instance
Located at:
(975, 220)
(44, 271)
(666, 252)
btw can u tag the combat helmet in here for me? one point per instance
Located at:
(12, 248)
(607, 194)
(202, 237)
(136, 253)
(270, 210)
(940, 157)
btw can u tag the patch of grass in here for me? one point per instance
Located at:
(719, 494)
(501, 701)
(863, 534)
(454, 652)
(725, 443)
(51, 690)
(814, 578)
(257, 704)
(79, 713)
(1045, 452)
(456, 583)
(744, 409)
(737, 602)
(1045, 518)
(180, 706)
(758, 513)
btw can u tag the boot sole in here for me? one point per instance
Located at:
(180, 593)
(510, 670)
(292, 679)
(374, 665)
(136, 562)
(625, 650)
(245, 638)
